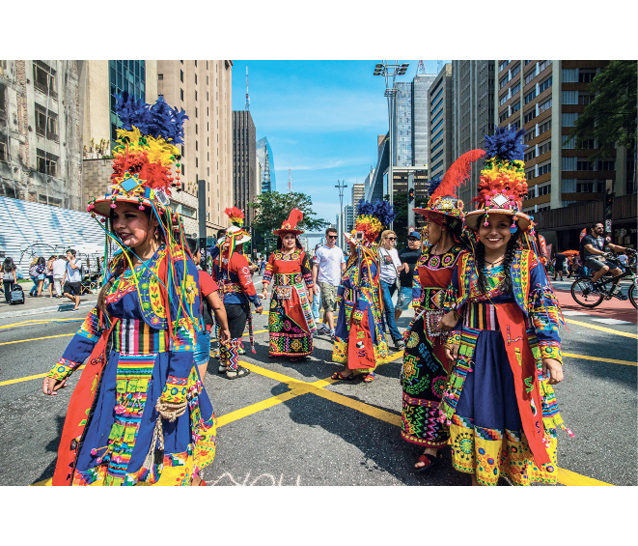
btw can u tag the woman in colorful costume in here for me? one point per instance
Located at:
(360, 342)
(425, 366)
(140, 414)
(499, 403)
(290, 323)
(232, 273)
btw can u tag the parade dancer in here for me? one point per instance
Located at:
(499, 403)
(360, 342)
(232, 273)
(425, 365)
(290, 323)
(139, 414)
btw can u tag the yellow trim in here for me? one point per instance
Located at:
(602, 329)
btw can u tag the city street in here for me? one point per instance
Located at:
(289, 424)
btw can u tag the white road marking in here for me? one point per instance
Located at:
(575, 314)
(610, 321)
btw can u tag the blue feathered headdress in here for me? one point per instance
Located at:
(433, 184)
(506, 144)
(158, 120)
(382, 210)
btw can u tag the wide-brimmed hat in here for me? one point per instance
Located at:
(290, 225)
(144, 156)
(503, 184)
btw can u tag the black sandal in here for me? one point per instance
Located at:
(430, 460)
(241, 372)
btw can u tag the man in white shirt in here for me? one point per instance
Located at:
(328, 264)
(73, 278)
(59, 267)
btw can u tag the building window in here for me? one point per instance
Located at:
(503, 81)
(502, 66)
(569, 119)
(530, 155)
(196, 162)
(439, 164)
(545, 126)
(438, 155)
(570, 97)
(586, 76)
(160, 76)
(583, 164)
(569, 163)
(543, 190)
(588, 144)
(181, 94)
(44, 79)
(196, 129)
(545, 105)
(3, 151)
(516, 107)
(46, 126)
(515, 70)
(437, 116)
(530, 76)
(436, 146)
(503, 99)
(515, 89)
(195, 63)
(530, 173)
(544, 169)
(568, 144)
(181, 76)
(436, 137)
(195, 78)
(529, 135)
(545, 84)
(584, 98)
(543, 65)
(530, 96)
(544, 147)
(503, 116)
(47, 163)
(437, 125)
(516, 125)
(570, 75)
(607, 165)
(195, 95)
(196, 145)
(530, 115)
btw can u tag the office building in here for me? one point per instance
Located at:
(266, 161)
(421, 117)
(348, 213)
(473, 114)
(244, 160)
(41, 132)
(358, 193)
(440, 105)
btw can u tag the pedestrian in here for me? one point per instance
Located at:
(232, 274)
(389, 267)
(316, 300)
(409, 257)
(360, 343)
(9, 277)
(49, 274)
(210, 301)
(425, 366)
(139, 413)
(504, 345)
(328, 265)
(290, 322)
(559, 265)
(33, 273)
(72, 279)
(59, 269)
(262, 266)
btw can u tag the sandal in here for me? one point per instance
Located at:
(339, 376)
(239, 373)
(429, 460)
(369, 378)
(222, 369)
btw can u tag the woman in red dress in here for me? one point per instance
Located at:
(290, 323)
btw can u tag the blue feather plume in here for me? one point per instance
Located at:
(158, 120)
(365, 208)
(506, 144)
(385, 212)
(434, 183)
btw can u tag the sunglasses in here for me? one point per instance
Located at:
(332, 236)
(392, 238)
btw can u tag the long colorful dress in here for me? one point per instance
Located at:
(112, 434)
(360, 343)
(424, 364)
(290, 323)
(502, 418)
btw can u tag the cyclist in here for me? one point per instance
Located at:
(591, 248)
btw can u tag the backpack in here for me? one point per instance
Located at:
(33, 271)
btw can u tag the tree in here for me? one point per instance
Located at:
(611, 116)
(272, 209)
(400, 224)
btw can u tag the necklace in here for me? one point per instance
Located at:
(495, 261)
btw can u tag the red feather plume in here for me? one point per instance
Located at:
(294, 218)
(458, 173)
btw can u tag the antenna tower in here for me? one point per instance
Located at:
(421, 70)
(289, 182)
(247, 107)
(439, 65)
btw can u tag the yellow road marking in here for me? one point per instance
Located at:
(361, 407)
(567, 477)
(599, 359)
(35, 339)
(602, 328)
(35, 322)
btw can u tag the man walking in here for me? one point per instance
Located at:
(59, 268)
(328, 265)
(409, 257)
(559, 265)
(73, 278)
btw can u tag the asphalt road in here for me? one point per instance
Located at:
(288, 424)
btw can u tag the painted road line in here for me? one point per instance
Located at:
(29, 378)
(574, 314)
(37, 322)
(602, 329)
(35, 339)
(599, 359)
(610, 321)
(361, 407)
(567, 477)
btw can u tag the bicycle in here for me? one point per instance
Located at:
(583, 294)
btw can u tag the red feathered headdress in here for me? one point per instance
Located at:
(290, 225)
(236, 216)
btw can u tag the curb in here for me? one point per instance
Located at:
(62, 308)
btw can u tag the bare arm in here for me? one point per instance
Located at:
(219, 311)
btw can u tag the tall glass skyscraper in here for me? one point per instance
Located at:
(127, 76)
(403, 125)
(265, 158)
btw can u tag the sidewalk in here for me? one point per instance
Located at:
(613, 308)
(44, 304)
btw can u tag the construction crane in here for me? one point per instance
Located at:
(247, 96)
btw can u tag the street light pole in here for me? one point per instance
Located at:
(341, 186)
(390, 72)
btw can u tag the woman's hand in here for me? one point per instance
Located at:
(50, 385)
(448, 321)
(555, 370)
(264, 293)
(259, 310)
(224, 335)
(452, 353)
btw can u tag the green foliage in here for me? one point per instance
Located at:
(611, 116)
(272, 210)
(401, 221)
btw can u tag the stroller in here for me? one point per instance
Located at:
(16, 295)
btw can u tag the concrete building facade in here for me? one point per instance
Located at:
(358, 193)
(41, 132)
(441, 110)
(244, 160)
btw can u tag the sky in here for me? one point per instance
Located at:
(321, 118)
